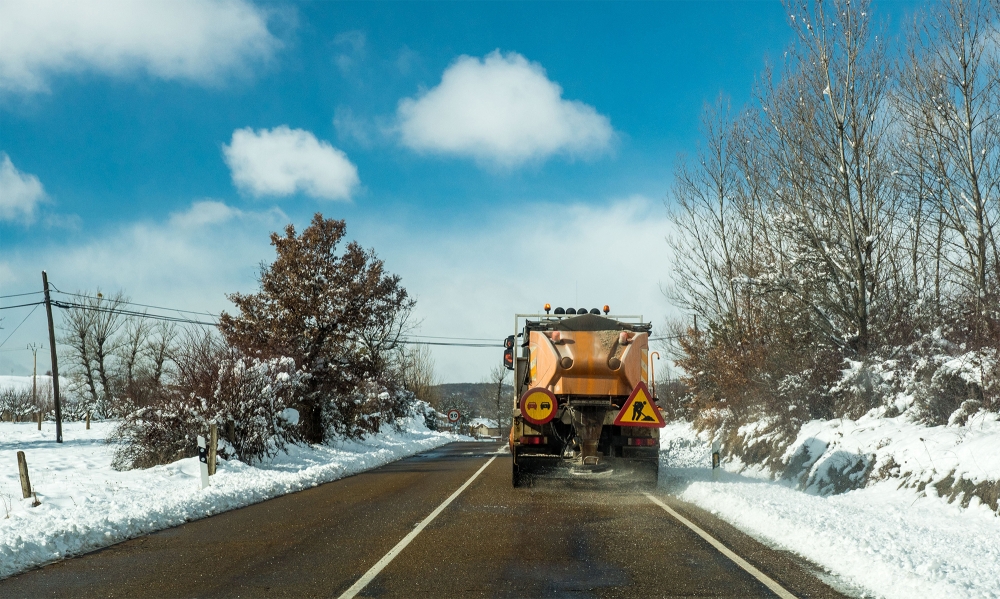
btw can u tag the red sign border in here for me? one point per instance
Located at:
(524, 396)
(660, 422)
(455, 420)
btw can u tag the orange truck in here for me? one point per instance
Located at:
(582, 400)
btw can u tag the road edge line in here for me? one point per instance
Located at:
(769, 582)
(388, 557)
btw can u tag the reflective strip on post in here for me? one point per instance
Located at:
(203, 460)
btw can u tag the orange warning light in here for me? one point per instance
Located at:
(547, 308)
(606, 308)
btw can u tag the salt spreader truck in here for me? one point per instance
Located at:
(582, 404)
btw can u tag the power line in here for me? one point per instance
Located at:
(21, 306)
(20, 294)
(451, 344)
(458, 338)
(136, 303)
(162, 317)
(19, 326)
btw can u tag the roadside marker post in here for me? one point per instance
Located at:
(716, 459)
(213, 447)
(22, 468)
(203, 460)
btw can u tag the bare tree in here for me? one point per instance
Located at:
(949, 99)
(419, 377)
(497, 380)
(77, 335)
(159, 350)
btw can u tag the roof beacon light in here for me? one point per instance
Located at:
(606, 309)
(547, 308)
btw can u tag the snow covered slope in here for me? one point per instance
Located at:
(85, 504)
(889, 540)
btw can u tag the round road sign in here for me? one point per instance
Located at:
(538, 405)
(454, 415)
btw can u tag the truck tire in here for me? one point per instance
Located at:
(517, 478)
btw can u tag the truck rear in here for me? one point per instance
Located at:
(582, 405)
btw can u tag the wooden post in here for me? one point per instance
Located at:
(22, 466)
(34, 373)
(55, 363)
(88, 421)
(213, 443)
(39, 420)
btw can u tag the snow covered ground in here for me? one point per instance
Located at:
(85, 504)
(881, 540)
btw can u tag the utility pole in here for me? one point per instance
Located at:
(55, 363)
(34, 347)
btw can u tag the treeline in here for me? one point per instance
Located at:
(837, 239)
(315, 353)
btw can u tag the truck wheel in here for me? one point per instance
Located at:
(517, 477)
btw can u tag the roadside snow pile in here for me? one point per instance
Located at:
(891, 540)
(961, 463)
(85, 504)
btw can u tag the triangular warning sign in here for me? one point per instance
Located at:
(640, 410)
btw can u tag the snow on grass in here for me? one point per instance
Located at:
(86, 505)
(892, 542)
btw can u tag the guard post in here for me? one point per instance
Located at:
(203, 460)
(22, 469)
(716, 458)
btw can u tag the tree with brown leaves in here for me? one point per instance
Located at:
(338, 315)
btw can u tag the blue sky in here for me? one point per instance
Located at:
(497, 155)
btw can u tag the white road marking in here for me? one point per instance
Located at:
(764, 578)
(388, 557)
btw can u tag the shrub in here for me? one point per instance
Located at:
(247, 398)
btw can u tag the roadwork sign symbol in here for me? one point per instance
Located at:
(538, 405)
(640, 410)
(453, 415)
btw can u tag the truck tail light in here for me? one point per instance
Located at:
(533, 440)
(643, 441)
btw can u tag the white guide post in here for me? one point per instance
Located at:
(203, 460)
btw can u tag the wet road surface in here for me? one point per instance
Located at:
(555, 539)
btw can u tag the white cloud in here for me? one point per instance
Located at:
(189, 261)
(352, 127)
(354, 46)
(470, 278)
(171, 39)
(281, 161)
(20, 192)
(204, 213)
(502, 110)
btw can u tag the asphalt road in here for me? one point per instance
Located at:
(550, 540)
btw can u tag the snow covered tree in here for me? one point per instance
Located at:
(338, 315)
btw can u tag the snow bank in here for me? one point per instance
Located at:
(892, 541)
(960, 461)
(85, 504)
